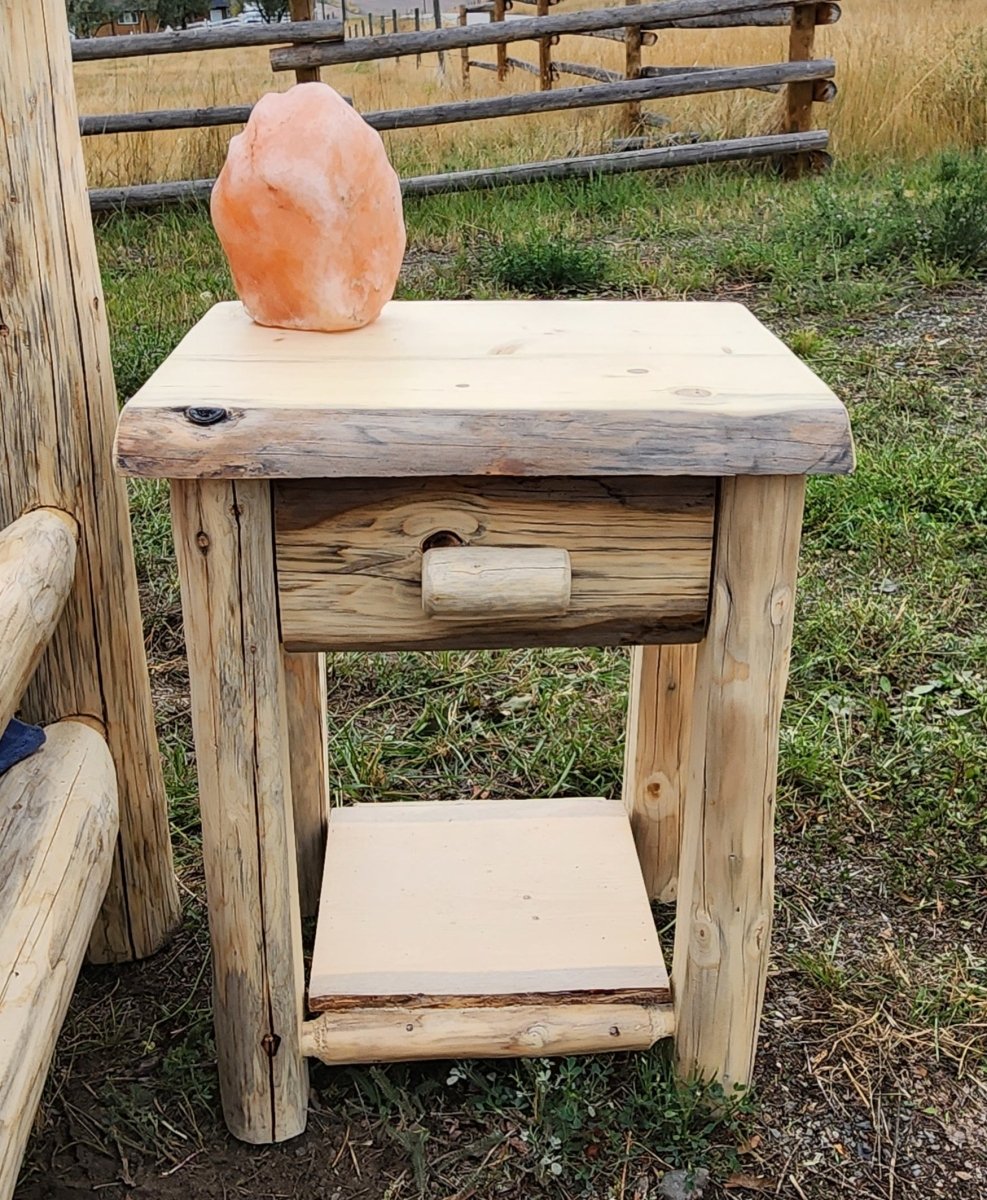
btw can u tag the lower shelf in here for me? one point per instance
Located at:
(484, 928)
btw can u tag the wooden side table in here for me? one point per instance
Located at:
(485, 475)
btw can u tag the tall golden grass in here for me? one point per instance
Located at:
(912, 78)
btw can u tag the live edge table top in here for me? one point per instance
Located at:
(525, 387)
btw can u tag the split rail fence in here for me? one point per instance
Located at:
(306, 46)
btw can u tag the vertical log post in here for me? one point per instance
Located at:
(418, 25)
(437, 14)
(656, 761)
(308, 737)
(304, 10)
(632, 70)
(726, 871)
(544, 52)
(798, 96)
(59, 413)
(394, 22)
(464, 54)
(225, 551)
(499, 9)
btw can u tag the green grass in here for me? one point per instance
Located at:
(877, 281)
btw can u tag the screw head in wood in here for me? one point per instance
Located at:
(200, 415)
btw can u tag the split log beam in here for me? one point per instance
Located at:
(220, 37)
(585, 166)
(37, 567)
(779, 15)
(396, 45)
(617, 35)
(599, 73)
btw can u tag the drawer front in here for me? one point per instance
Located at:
(349, 559)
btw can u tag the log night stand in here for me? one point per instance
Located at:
(531, 473)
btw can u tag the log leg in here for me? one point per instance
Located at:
(224, 545)
(308, 736)
(659, 718)
(726, 880)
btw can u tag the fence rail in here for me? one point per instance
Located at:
(305, 46)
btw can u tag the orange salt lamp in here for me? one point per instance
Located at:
(308, 210)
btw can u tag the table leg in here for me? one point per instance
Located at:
(726, 882)
(223, 538)
(659, 718)
(308, 736)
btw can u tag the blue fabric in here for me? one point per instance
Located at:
(18, 741)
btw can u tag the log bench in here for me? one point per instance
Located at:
(485, 475)
(58, 830)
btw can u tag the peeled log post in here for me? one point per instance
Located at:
(304, 10)
(37, 567)
(726, 873)
(545, 74)
(499, 11)
(798, 100)
(58, 829)
(59, 414)
(656, 760)
(306, 702)
(632, 70)
(396, 45)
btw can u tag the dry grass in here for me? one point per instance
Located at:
(912, 77)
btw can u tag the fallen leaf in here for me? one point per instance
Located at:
(756, 1183)
(750, 1145)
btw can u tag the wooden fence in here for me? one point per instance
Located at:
(305, 46)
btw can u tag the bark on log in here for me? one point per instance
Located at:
(396, 45)
(37, 566)
(59, 415)
(221, 37)
(58, 828)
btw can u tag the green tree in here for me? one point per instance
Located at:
(176, 13)
(273, 10)
(86, 16)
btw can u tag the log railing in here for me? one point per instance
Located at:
(306, 46)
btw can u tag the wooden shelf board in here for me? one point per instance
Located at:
(484, 902)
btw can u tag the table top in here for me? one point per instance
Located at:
(525, 387)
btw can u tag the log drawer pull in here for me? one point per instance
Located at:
(467, 583)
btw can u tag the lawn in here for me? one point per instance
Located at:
(871, 1074)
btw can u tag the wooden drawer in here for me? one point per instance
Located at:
(349, 558)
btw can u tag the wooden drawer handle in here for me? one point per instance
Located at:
(476, 582)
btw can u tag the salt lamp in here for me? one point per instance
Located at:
(308, 210)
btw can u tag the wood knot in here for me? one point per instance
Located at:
(202, 541)
(270, 1043)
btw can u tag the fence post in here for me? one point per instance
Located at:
(418, 25)
(304, 10)
(437, 12)
(464, 53)
(798, 97)
(394, 21)
(632, 70)
(544, 52)
(499, 8)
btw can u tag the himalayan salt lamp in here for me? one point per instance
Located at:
(308, 210)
